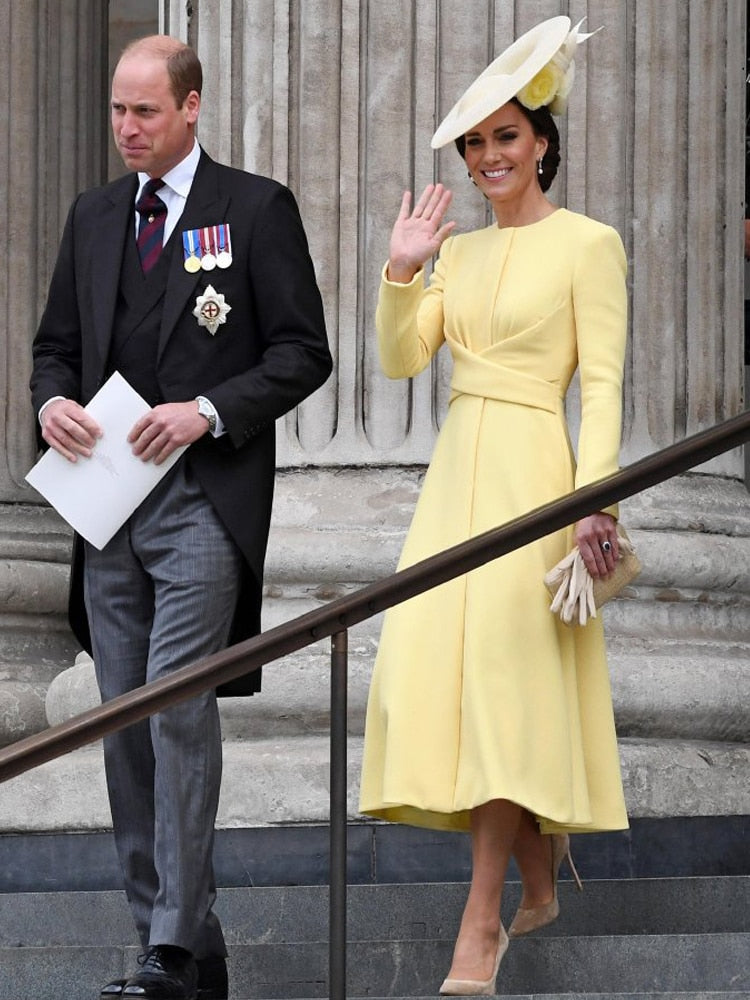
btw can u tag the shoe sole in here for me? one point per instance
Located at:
(207, 994)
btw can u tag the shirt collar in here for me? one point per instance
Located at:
(179, 178)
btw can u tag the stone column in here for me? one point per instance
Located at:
(51, 108)
(687, 196)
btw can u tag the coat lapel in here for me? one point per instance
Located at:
(117, 214)
(205, 206)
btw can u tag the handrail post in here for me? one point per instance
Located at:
(337, 876)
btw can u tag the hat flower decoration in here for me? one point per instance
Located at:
(553, 83)
(538, 69)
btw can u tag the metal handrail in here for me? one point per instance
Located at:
(335, 618)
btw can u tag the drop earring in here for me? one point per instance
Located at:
(468, 174)
(539, 167)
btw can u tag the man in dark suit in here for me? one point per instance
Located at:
(199, 289)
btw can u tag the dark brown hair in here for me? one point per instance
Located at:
(185, 73)
(544, 127)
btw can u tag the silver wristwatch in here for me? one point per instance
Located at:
(206, 409)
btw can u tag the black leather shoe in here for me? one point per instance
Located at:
(167, 973)
(213, 982)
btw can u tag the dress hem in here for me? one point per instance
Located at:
(460, 822)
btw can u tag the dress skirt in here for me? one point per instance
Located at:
(479, 692)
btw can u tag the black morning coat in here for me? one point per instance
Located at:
(270, 354)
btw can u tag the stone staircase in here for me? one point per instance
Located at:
(665, 938)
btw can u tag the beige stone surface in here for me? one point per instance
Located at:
(72, 691)
(276, 781)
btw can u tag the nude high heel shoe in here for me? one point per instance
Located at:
(477, 987)
(532, 918)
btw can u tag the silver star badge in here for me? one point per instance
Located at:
(211, 309)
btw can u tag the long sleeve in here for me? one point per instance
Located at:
(57, 346)
(600, 308)
(409, 320)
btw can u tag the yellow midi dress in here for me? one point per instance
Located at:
(479, 692)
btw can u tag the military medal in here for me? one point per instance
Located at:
(192, 261)
(224, 256)
(211, 309)
(208, 258)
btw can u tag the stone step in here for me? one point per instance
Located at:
(377, 853)
(417, 911)
(626, 964)
(647, 936)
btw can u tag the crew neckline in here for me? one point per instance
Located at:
(529, 225)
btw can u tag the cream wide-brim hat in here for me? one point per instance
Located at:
(509, 73)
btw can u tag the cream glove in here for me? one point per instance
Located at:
(574, 596)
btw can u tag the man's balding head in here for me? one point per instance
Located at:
(183, 65)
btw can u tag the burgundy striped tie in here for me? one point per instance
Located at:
(153, 213)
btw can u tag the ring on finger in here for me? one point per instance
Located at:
(606, 546)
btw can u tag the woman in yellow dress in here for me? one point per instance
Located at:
(486, 713)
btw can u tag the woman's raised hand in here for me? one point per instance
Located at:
(418, 233)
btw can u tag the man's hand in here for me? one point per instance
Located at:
(166, 427)
(69, 429)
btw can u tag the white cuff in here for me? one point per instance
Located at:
(218, 430)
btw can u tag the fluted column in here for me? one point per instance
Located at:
(52, 115)
(51, 109)
(687, 194)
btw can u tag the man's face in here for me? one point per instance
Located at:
(151, 133)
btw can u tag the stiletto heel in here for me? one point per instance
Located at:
(573, 870)
(477, 987)
(531, 918)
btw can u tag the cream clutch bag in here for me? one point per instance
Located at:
(576, 595)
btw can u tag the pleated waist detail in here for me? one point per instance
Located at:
(475, 375)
